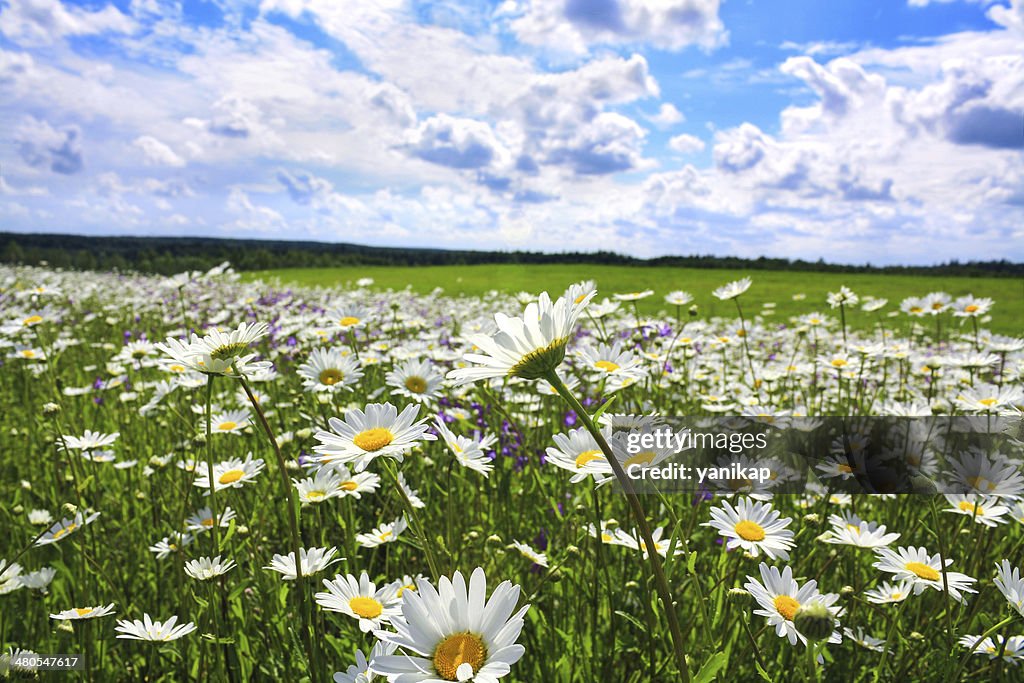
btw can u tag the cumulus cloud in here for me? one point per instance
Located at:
(575, 25)
(457, 142)
(304, 187)
(41, 145)
(686, 144)
(667, 116)
(41, 22)
(157, 153)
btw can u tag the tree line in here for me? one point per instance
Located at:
(168, 255)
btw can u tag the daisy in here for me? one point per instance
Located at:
(40, 517)
(864, 640)
(989, 475)
(971, 306)
(76, 613)
(849, 529)
(527, 347)
(329, 370)
(633, 540)
(355, 485)
(417, 380)
(923, 571)
(65, 527)
(780, 596)
(147, 629)
(733, 289)
(203, 519)
(379, 431)
(39, 579)
(469, 452)
(10, 577)
(233, 473)
(217, 352)
(1009, 582)
(362, 671)
(410, 493)
(311, 561)
(348, 317)
(1012, 649)
(90, 440)
(578, 452)
(204, 569)
(753, 526)
(889, 592)
(616, 367)
(531, 554)
(678, 298)
(406, 583)
(982, 509)
(230, 422)
(385, 533)
(453, 633)
(633, 296)
(844, 297)
(360, 599)
(171, 544)
(326, 484)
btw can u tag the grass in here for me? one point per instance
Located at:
(778, 287)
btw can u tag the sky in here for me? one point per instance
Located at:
(855, 131)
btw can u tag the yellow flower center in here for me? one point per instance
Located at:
(845, 468)
(331, 376)
(922, 570)
(65, 531)
(176, 368)
(385, 536)
(456, 650)
(416, 385)
(32, 320)
(406, 587)
(228, 350)
(854, 528)
(937, 306)
(839, 362)
(231, 476)
(348, 486)
(348, 321)
(749, 531)
(367, 608)
(227, 426)
(585, 457)
(207, 522)
(28, 353)
(645, 458)
(540, 361)
(316, 495)
(989, 401)
(373, 439)
(980, 483)
(896, 596)
(971, 309)
(971, 508)
(606, 538)
(916, 309)
(786, 606)
(580, 298)
(82, 611)
(606, 365)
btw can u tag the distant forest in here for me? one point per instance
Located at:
(168, 255)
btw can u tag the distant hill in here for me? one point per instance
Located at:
(167, 255)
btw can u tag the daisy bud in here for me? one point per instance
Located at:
(814, 621)
(581, 509)
(304, 433)
(737, 594)
(555, 575)
(66, 626)
(473, 535)
(632, 585)
(494, 539)
(70, 508)
(50, 409)
(572, 550)
(611, 523)
(140, 495)
(914, 635)
(25, 484)
(19, 509)
(812, 518)
(847, 591)
(694, 310)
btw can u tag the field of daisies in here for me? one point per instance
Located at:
(212, 480)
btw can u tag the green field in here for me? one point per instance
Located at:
(769, 286)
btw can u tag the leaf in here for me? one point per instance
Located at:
(764, 674)
(604, 406)
(715, 663)
(230, 533)
(631, 619)
(691, 562)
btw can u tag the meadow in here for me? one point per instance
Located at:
(353, 476)
(773, 286)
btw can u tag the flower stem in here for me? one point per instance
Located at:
(390, 468)
(660, 580)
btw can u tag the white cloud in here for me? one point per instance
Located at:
(42, 146)
(667, 116)
(157, 153)
(574, 25)
(686, 144)
(41, 22)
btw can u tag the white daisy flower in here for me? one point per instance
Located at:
(410, 493)
(469, 452)
(454, 633)
(733, 289)
(780, 596)
(633, 296)
(147, 629)
(66, 527)
(39, 517)
(362, 671)
(578, 452)
(10, 577)
(633, 540)
(923, 571)
(379, 431)
(38, 580)
(90, 440)
(385, 533)
(889, 592)
(215, 353)
(1009, 582)
(326, 484)
(849, 529)
(527, 347)
(171, 544)
(360, 599)
(311, 561)
(230, 422)
(529, 553)
(864, 640)
(753, 526)
(76, 613)
(203, 519)
(982, 509)
(204, 568)
(229, 474)
(415, 379)
(1013, 649)
(329, 370)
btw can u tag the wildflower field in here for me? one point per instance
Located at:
(212, 478)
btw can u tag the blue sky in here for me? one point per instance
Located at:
(850, 130)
